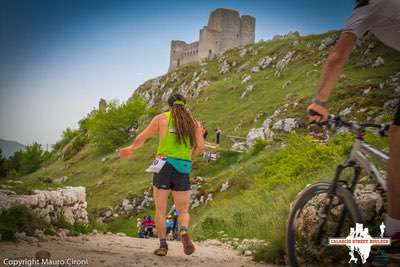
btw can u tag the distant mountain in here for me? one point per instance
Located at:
(8, 148)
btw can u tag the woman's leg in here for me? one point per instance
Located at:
(161, 201)
(182, 202)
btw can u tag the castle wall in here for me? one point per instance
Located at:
(247, 30)
(225, 30)
(209, 43)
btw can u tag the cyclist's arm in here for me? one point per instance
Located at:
(334, 65)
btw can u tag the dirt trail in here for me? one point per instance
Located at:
(114, 250)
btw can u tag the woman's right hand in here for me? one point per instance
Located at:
(125, 152)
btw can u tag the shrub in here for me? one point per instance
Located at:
(113, 127)
(19, 219)
(258, 146)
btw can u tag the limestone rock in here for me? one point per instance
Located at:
(60, 180)
(240, 147)
(224, 186)
(378, 62)
(68, 215)
(224, 67)
(248, 90)
(246, 79)
(265, 62)
(287, 125)
(254, 134)
(346, 111)
(328, 42)
(284, 62)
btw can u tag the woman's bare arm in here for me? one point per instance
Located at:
(199, 141)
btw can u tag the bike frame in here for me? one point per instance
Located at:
(357, 160)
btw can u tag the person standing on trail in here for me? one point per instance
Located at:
(382, 18)
(180, 140)
(218, 132)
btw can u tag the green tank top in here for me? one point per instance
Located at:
(169, 145)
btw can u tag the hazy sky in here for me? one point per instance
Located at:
(58, 58)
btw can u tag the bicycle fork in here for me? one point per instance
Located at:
(331, 196)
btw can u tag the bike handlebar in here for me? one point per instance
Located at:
(336, 121)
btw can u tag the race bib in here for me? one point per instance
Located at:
(156, 166)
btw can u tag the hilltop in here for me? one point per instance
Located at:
(10, 147)
(256, 92)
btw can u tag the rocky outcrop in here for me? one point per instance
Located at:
(69, 202)
(328, 42)
(284, 62)
(287, 125)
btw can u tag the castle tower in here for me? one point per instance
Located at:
(226, 29)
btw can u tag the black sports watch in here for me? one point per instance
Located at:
(319, 102)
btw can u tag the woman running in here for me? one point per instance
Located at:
(180, 139)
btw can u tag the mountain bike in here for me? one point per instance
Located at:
(327, 209)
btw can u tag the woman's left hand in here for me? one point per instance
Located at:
(125, 152)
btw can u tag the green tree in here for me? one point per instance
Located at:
(14, 163)
(113, 127)
(3, 165)
(31, 158)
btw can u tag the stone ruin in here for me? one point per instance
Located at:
(226, 29)
(69, 202)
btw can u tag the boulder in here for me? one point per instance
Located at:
(287, 125)
(378, 62)
(268, 133)
(254, 134)
(265, 62)
(240, 147)
(60, 180)
(224, 186)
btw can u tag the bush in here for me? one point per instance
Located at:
(75, 229)
(258, 146)
(19, 219)
(302, 158)
(113, 127)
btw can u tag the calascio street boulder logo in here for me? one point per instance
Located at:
(359, 240)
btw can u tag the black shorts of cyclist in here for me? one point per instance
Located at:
(170, 178)
(397, 116)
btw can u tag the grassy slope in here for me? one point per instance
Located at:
(219, 105)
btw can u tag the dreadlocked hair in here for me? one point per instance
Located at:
(184, 124)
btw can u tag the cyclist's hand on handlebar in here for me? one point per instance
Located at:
(317, 114)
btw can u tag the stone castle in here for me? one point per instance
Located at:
(226, 29)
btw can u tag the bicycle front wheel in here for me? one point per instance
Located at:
(307, 236)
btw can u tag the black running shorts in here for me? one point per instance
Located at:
(397, 116)
(170, 178)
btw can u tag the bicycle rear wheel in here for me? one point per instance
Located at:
(305, 220)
